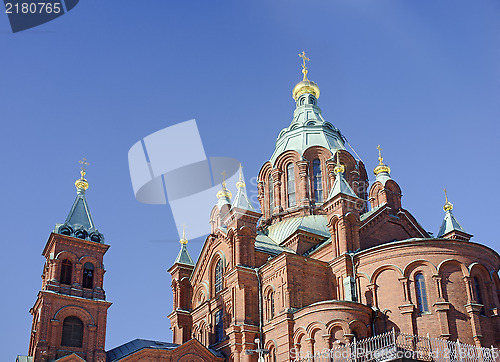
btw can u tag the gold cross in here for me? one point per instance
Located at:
(380, 159)
(445, 195)
(224, 175)
(84, 163)
(304, 58)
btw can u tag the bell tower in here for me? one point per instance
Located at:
(69, 315)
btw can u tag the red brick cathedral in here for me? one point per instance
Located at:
(328, 261)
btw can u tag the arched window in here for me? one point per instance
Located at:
(88, 275)
(479, 296)
(290, 177)
(66, 269)
(218, 276)
(72, 333)
(219, 326)
(271, 194)
(317, 181)
(421, 293)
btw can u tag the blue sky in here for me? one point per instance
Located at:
(421, 78)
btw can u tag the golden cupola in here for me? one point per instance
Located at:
(381, 167)
(82, 183)
(305, 85)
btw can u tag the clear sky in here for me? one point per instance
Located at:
(421, 78)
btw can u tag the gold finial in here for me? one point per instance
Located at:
(304, 68)
(183, 240)
(448, 206)
(224, 192)
(381, 167)
(81, 183)
(339, 168)
(241, 183)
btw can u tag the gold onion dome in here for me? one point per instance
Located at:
(448, 206)
(82, 183)
(224, 192)
(382, 167)
(306, 85)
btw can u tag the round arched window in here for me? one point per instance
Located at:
(72, 333)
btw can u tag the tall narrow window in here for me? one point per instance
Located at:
(421, 293)
(219, 326)
(271, 194)
(88, 275)
(290, 179)
(72, 333)
(218, 276)
(479, 296)
(271, 305)
(317, 181)
(66, 269)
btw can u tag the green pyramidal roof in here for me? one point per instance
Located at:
(79, 222)
(449, 224)
(80, 213)
(340, 186)
(183, 257)
(241, 200)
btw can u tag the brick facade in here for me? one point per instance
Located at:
(350, 265)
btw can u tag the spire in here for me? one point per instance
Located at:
(79, 222)
(340, 186)
(450, 223)
(183, 257)
(241, 200)
(448, 206)
(224, 195)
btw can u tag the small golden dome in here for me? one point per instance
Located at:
(224, 192)
(382, 167)
(82, 183)
(306, 85)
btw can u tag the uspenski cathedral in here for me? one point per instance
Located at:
(329, 264)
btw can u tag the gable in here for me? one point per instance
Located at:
(382, 227)
(192, 350)
(71, 358)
